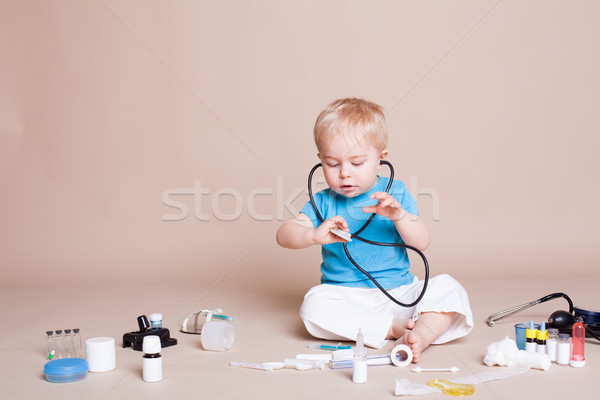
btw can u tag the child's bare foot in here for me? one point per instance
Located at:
(413, 340)
(425, 331)
(399, 327)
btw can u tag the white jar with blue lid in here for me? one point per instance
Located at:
(66, 370)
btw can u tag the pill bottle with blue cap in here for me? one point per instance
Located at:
(530, 338)
(541, 338)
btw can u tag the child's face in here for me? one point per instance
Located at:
(350, 168)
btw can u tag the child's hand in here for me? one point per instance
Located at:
(387, 206)
(323, 235)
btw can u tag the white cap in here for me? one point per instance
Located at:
(155, 317)
(151, 344)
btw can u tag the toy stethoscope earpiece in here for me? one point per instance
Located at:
(355, 236)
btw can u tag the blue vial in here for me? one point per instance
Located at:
(155, 321)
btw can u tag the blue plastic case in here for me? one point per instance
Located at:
(66, 370)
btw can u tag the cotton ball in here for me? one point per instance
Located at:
(503, 353)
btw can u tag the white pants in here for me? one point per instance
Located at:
(335, 312)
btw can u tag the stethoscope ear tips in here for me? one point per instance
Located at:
(561, 319)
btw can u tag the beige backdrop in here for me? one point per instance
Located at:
(146, 141)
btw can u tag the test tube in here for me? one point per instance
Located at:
(577, 348)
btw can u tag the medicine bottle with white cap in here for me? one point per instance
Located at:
(152, 361)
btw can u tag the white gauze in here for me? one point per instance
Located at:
(505, 353)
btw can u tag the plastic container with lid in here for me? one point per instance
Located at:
(100, 352)
(217, 336)
(66, 370)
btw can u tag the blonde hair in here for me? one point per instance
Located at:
(358, 118)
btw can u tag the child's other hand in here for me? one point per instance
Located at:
(387, 206)
(323, 235)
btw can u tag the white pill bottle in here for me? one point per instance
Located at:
(152, 360)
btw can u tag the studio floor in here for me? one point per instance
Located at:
(268, 329)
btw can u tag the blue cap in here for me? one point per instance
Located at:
(531, 326)
(543, 326)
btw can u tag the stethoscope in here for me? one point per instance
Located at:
(560, 319)
(513, 310)
(362, 228)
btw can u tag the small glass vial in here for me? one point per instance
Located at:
(50, 346)
(77, 344)
(563, 350)
(552, 343)
(577, 349)
(59, 345)
(152, 360)
(155, 321)
(68, 344)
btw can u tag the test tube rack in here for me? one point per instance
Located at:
(135, 339)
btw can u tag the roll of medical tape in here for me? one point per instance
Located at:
(401, 362)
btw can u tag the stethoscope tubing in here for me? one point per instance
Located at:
(356, 236)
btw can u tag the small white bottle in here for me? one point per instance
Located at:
(552, 343)
(152, 361)
(563, 351)
(359, 360)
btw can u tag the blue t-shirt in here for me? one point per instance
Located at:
(388, 265)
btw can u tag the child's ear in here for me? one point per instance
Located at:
(382, 156)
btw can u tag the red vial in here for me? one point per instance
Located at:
(577, 347)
